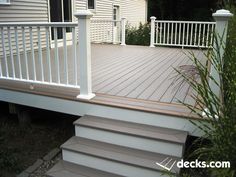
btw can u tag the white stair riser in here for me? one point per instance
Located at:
(141, 143)
(109, 166)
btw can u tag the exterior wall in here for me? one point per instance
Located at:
(38, 11)
(134, 11)
(103, 8)
(24, 11)
(80, 4)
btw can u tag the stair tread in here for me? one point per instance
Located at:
(117, 153)
(134, 129)
(67, 169)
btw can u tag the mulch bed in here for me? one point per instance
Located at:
(21, 147)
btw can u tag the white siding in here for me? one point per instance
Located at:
(102, 11)
(135, 11)
(24, 11)
(80, 5)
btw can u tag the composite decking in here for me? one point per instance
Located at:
(139, 76)
(142, 72)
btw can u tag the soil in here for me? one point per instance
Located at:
(21, 147)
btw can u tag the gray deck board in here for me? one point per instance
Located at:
(116, 153)
(138, 72)
(156, 81)
(134, 129)
(67, 169)
(127, 85)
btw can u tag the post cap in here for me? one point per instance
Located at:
(222, 14)
(153, 18)
(83, 14)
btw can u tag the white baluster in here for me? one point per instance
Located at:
(18, 52)
(32, 52)
(74, 40)
(40, 54)
(25, 53)
(199, 35)
(11, 52)
(56, 55)
(48, 55)
(65, 56)
(187, 38)
(4, 51)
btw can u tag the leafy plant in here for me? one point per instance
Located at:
(138, 36)
(219, 124)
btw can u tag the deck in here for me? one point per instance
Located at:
(136, 77)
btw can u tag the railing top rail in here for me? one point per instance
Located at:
(98, 20)
(175, 21)
(38, 24)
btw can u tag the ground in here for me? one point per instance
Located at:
(21, 147)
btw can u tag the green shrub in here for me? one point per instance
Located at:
(138, 36)
(220, 119)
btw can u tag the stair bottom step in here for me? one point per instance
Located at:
(67, 169)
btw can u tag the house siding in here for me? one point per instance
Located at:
(38, 11)
(134, 11)
(24, 11)
(80, 4)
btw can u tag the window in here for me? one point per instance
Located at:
(91, 4)
(115, 14)
(4, 2)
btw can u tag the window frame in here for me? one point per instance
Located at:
(94, 8)
(7, 2)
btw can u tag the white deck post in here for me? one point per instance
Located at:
(123, 20)
(152, 36)
(83, 17)
(221, 17)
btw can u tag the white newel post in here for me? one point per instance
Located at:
(152, 36)
(123, 20)
(221, 17)
(84, 43)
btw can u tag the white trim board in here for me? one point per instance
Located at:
(81, 108)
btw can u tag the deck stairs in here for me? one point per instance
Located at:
(104, 147)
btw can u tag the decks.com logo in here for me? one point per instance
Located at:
(165, 164)
(203, 164)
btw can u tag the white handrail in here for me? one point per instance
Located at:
(42, 24)
(182, 33)
(106, 31)
(194, 22)
(24, 47)
(28, 56)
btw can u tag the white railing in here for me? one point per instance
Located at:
(26, 53)
(182, 33)
(106, 31)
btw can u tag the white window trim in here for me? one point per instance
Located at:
(7, 2)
